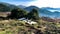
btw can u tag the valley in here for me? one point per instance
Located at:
(28, 20)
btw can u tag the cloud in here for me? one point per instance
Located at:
(39, 3)
(46, 3)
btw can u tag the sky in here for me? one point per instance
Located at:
(38, 3)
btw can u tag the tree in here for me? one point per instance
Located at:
(33, 14)
(22, 13)
(17, 13)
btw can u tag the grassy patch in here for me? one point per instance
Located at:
(20, 27)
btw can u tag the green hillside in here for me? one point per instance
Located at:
(5, 7)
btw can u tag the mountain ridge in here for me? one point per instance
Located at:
(44, 11)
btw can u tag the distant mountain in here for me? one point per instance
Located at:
(30, 8)
(49, 8)
(21, 6)
(9, 5)
(4, 7)
(47, 13)
(44, 11)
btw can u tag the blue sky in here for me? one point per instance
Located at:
(17, 2)
(38, 3)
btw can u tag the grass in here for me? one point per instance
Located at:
(2, 32)
(20, 27)
(58, 24)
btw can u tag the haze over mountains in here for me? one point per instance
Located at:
(44, 11)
